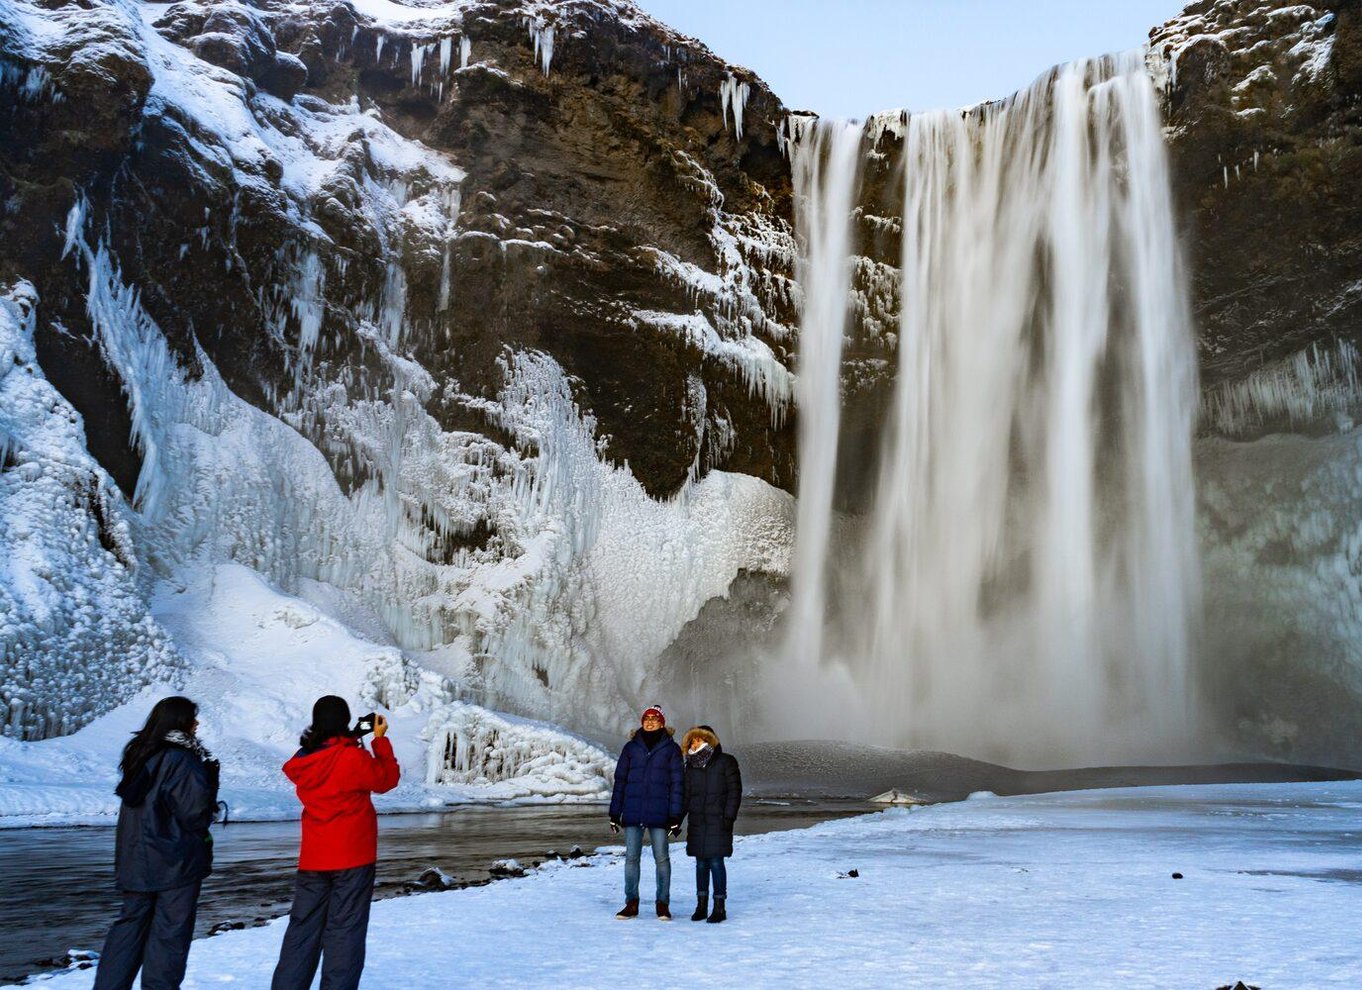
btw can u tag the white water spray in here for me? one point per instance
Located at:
(1028, 580)
(826, 166)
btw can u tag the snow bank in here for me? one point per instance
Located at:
(1062, 890)
(257, 661)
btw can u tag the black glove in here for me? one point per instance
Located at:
(674, 829)
(615, 825)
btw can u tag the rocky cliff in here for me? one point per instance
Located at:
(390, 296)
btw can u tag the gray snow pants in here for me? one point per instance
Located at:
(329, 922)
(152, 933)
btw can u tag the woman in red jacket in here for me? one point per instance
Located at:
(334, 776)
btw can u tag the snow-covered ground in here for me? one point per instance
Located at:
(1060, 890)
(258, 660)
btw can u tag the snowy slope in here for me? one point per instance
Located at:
(257, 661)
(1052, 891)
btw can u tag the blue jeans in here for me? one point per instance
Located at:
(704, 868)
(633, 853)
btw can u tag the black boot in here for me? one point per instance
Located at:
(701, 907)
(718, 914)
(630, 909)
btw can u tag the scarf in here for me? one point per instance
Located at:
(700, 758)
(651, 739)
(184, 740)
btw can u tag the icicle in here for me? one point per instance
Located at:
(75, 224)
(733, 93)
(418, 58)
(452, 203)
(541, 33)
(446, 54)
(378, 47)
(465, 51)
(307, 301)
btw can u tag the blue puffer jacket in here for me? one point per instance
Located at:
(648, 783)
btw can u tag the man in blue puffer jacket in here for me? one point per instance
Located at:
(649, 780)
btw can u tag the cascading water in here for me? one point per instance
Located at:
(825, 162)
(1027, 581)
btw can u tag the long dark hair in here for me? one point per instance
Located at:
(330, 718)
(167, 715)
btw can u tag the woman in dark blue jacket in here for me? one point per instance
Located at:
(647, 798)
(162, 850)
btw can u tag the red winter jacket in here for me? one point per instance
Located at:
(340, 828)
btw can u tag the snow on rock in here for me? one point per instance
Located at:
(1250, 45)
(76, 636)
(982, 894)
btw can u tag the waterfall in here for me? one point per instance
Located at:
(825, 165)
(1027, 580)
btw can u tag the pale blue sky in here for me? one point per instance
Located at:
(849, 58)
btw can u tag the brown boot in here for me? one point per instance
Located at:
(663, 912)
(630, 909)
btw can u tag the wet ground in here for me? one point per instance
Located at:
(59, 881)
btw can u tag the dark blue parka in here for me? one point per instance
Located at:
(163, 839)
(648, 783)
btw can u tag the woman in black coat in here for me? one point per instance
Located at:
(712, 794)
(162, 850)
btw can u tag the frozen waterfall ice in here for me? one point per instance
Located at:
(1025, 581)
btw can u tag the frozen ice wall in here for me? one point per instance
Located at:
(1024, 581)
(75, 631)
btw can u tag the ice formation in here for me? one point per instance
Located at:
(541, 33)
(733, 94)
(1314, 385)
(470, 745)
(71, 588)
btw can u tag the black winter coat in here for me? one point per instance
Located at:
(163, 839)
(713, 793)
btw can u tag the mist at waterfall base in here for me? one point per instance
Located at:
(1018, 581)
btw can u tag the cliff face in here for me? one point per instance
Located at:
(1265, 133)
(396, 296)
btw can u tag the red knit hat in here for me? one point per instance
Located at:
(654, 710)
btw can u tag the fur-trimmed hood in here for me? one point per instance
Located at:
(699, 732)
